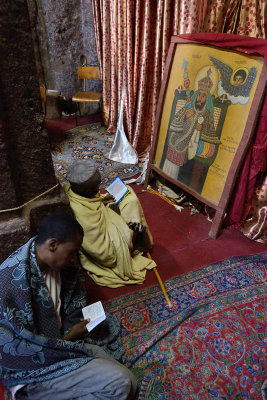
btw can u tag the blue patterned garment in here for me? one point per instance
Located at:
(31, 344)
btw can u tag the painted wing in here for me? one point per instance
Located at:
(226, 73)
(245, 89)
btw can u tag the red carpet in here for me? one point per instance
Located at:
(2, 392)
(181, 245)
(61, 125)
(209, 345)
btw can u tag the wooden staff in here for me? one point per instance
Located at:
(161, 284)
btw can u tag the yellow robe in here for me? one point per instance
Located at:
(107, 243)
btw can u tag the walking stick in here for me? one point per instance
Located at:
(161, 284)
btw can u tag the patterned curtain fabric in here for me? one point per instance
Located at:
(252, 21)
(130, 34)
(220, 16)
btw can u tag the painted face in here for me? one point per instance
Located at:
(64, 254)
(201, 99)
(238, 80)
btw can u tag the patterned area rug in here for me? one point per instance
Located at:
(90, 142)
(210, 345)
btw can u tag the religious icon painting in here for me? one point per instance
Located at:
(207, 111)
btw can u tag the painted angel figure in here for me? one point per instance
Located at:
(236, 85)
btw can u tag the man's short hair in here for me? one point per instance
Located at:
(58, 225)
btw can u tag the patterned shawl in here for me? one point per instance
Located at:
(31, 345)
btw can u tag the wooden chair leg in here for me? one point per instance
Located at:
(99, 110)
(76, 121)
(79, 109)
(83, 108)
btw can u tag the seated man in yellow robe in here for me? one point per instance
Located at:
(114, 235)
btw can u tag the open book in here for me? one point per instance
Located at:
(96, 314)
(117, 189)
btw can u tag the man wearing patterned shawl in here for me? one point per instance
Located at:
(44, 350)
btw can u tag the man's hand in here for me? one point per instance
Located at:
(77, 331)
(108, 199)
(115, 208)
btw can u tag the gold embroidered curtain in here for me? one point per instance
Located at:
(252, 21)
(135, 34)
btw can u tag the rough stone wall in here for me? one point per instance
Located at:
(13, 234)
(40, 42)
(22, 115)
(89, 43)
(25, 158)
(64, 30)
(7, 189)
